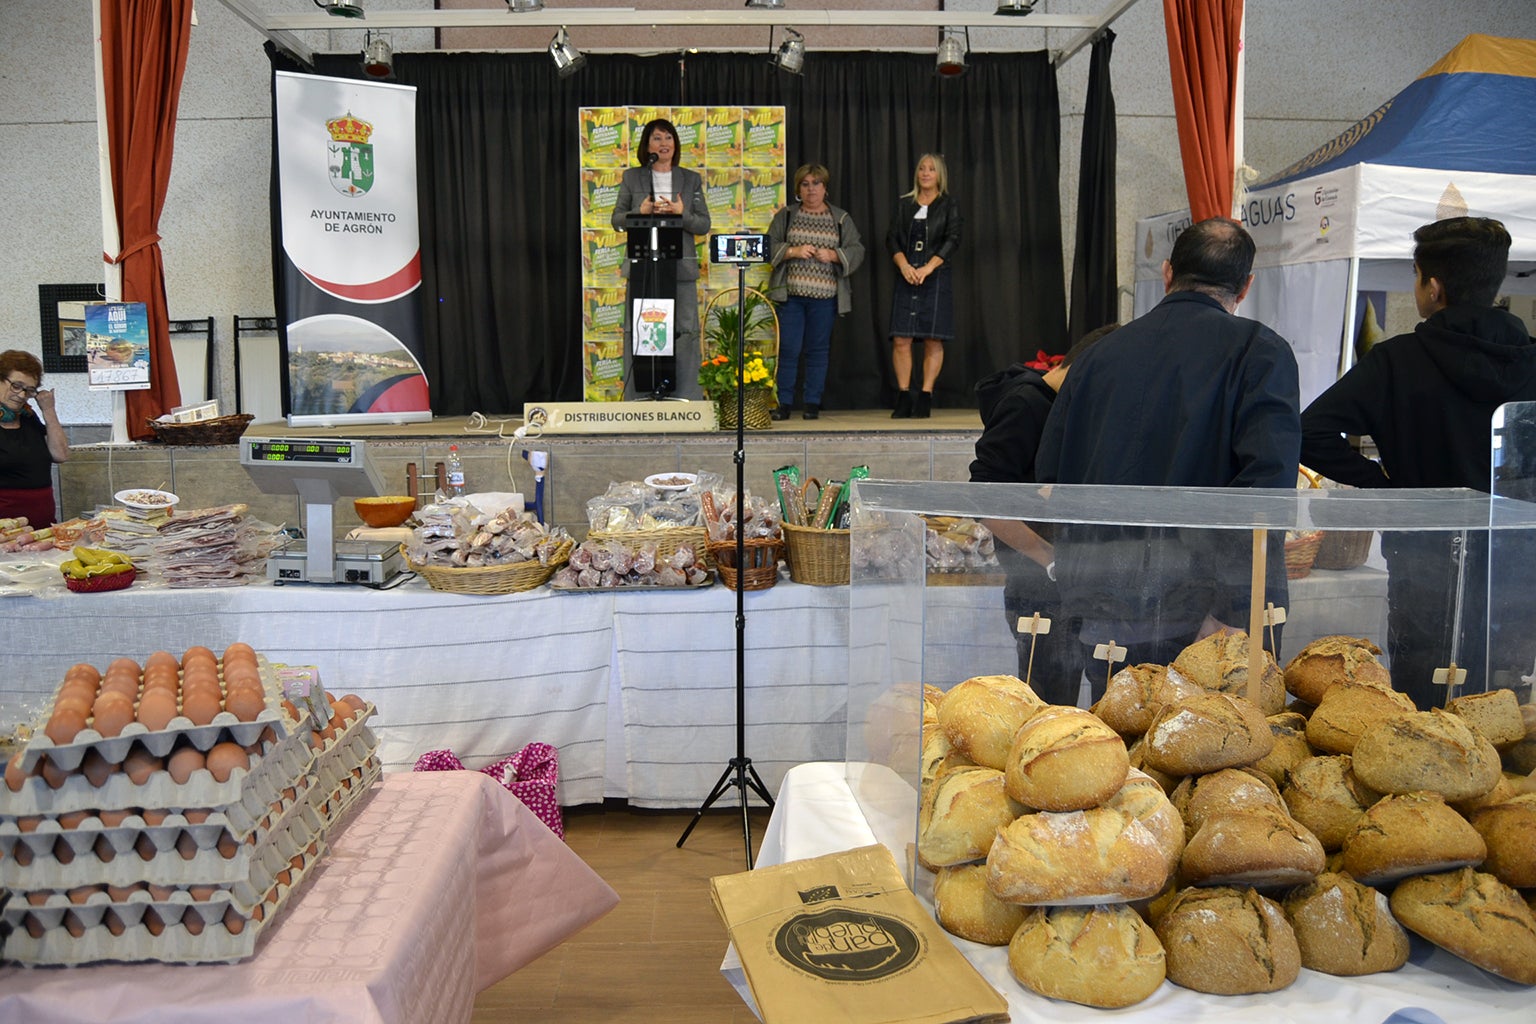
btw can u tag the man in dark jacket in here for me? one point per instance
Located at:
(1188, 395)
(1427, 399)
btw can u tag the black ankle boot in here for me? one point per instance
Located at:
(781, 412)
(903, 409)
(924, 406)
(812, 411)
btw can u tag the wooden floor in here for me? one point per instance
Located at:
(655, 959)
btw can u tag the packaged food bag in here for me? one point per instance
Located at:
(532, 775)
(841, 938)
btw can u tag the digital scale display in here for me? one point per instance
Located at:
(299, 450)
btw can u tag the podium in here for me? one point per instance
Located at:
(653, 245)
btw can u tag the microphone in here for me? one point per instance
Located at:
(651, 158)
(650, 164)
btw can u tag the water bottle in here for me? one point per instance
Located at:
(455, 473)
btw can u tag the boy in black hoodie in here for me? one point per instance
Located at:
(1427, 400)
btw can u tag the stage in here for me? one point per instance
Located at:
(580, 467)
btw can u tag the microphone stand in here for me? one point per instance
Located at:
(739, 772)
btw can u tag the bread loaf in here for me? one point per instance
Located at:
(1259, 846)
(1324, 795)
(1100, 855)
(1334, 659)
(1136, 694)
(1507, 788)
(1473, 915)
(1410, 834)
(1231, 789)
(1495, 714)
(1291, 747)
(981, 715)
(1065, 759)
(1206, 733)
(1509, 830)
(1347, 710)
(1344, 927)
(960, 816)
(1228, 942)
(1104, 956)
(1426, 750)
(1219, 663)
(1142, 798)
(964, 906)
(939, 755)
(1137, 752)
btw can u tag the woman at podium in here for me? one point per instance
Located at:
(659, 187)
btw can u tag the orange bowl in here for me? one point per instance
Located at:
(390, 510)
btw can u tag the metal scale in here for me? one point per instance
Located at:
(320, 472)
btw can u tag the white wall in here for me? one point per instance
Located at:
(1314, 68)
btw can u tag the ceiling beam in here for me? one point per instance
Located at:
(1063, 55)
(287, 41)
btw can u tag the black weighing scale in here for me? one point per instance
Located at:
(320, 472)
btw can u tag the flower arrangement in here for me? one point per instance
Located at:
(717, 376)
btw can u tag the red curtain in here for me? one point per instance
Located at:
(1202, 61)
(144, 55)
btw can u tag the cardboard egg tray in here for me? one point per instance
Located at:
(349, 792)
(175, 944)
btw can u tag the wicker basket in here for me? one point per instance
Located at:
(1300, 553)
(818, 557)
(667, 541)
(219, 430)
(757, 406)
(512, 578)
(760, 562)
(1343, 549)
(101, 584)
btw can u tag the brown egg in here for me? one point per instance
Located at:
(161, 893)
(192, 921)
(113, 923)
(198, 655)
(357, 703)
(153, 921)
(291, 709)
(227, 846)
(341, 712)
(74, 819)
(111, 712)
(33, 925)
(73, 924)
(128, 686)
(81, 893)
(103, 850)
(154, 816)
(285, 877)
(144, 847)
(63, 852)
(124, 665)
(29, 822)
(183, 762)
(296, 862)
(186, 846)
(82, 671)
(197, 674)
(53, 775)
(241, 671)
(63, 725)
(158, 677)
(74, 702)
(21, 853)
(15, 775)
(38, 897)
(156, 709)
(200, 707)
(196, 815)
(240, 649)
(225, 758)
(161, 659)
(120, 893)
(112, 819)
(233, 922)
(140, 764)
(245, 705)
(202, 893)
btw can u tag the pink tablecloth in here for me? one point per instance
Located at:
(441, 885)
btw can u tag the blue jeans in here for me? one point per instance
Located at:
(805, 333)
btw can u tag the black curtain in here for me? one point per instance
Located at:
(1095, 283)
(498, 170)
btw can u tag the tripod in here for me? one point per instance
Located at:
(739, 772)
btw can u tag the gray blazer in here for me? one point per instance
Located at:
(635, 188)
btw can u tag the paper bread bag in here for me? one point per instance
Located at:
(842, 938)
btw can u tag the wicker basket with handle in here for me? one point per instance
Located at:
(1343, 549)
(1300, 553)
(821, 558)
(760, 562)
(667, 540)
(219, 430)
(508, 578)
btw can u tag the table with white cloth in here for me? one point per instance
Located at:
(442, 884)
(817, 814)
(635, 688)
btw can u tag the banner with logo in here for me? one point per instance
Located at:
(351, 252)
(117, 352)
(738, 151)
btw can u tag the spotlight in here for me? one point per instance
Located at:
(951, 54)
(525, 6)
(378, 55)
(1015, 8)
(766, 5)
(568, 60)
(341, 8)
(791, 53)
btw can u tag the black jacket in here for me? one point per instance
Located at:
(1014, 405)
(944, 225)
(1427, 400)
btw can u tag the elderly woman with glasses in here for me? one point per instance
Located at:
(29, 444)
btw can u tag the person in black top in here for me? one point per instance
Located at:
(922, 240)
(1427, 400)
(29, 446)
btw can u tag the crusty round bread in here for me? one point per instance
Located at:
(1507, 788)
(939, 755)
(1410, 834)
(1142, 797)
(1104, 956)
(1473, 915)
(964, 906)
(1334, 659)
(1509, 830)
(960, 815)
(1136, 693)
(1100, 855)
(1344, 927)
(1228, 942)
(1426, 750)
(1259, 846)
(1291, 747)
(982, 714)
(1065, 759)
(1219, 663)
(1347, 710)
(1324, 795)
(1206, 733)
(1137, 752)
(1231, 789)
(1495, 714)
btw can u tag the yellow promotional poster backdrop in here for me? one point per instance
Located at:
(739, 152)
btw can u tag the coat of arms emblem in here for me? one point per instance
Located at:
(349, 155)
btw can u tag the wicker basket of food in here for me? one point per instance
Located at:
(506, 578)
(821, 558)
(1300, 553)
(760, 562)
(219, 430)
(667, 540)
(1343, 549)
